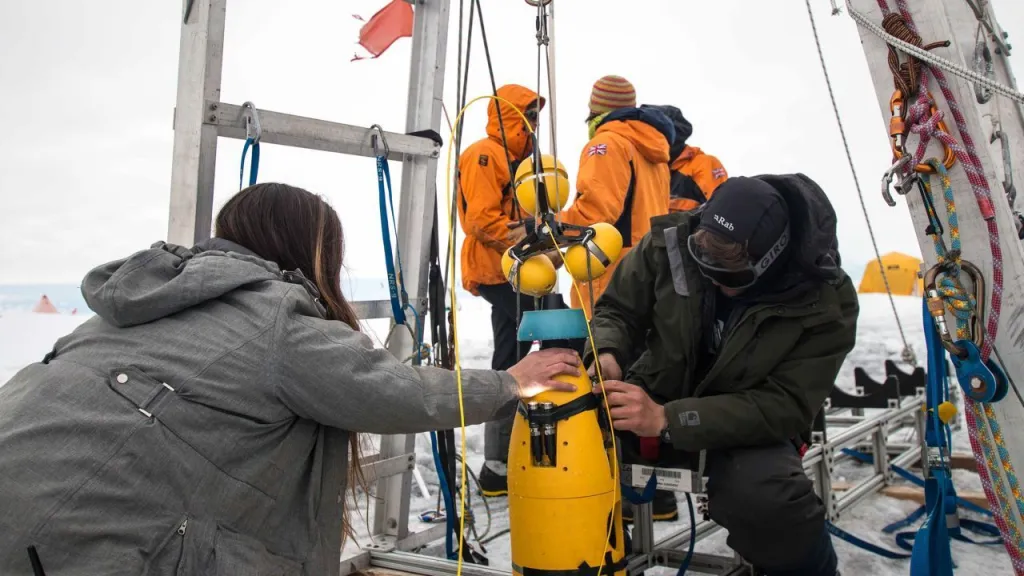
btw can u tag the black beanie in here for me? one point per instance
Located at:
(748, 211)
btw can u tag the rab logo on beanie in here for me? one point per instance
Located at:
(724, 223)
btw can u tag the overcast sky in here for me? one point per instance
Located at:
(87, 95)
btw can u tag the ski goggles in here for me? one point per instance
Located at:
(736, 278)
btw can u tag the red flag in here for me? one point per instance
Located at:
(392, 22)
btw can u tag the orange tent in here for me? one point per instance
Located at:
(44, 306)
(901, 272)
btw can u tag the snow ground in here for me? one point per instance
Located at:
(26, 337)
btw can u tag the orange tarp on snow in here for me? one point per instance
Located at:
(44, 306)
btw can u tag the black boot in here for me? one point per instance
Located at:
(492, 484)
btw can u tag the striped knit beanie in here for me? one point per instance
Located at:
(611, 93)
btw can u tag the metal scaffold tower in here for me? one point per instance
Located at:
(201, 118)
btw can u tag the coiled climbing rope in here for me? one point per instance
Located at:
(936, 62)
(924, 121)
(962, 305)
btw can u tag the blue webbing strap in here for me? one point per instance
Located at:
(397, 290)
(254, 167)
(914, 479)
(864, 544)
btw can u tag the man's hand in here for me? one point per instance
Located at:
(516, 234)
(633, 410)
(556, 258)
(610, 369)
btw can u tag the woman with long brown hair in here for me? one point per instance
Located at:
(202, 422)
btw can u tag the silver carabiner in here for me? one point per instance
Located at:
(253, 130)
(895, 172)
(376, 144)
(1008, 187)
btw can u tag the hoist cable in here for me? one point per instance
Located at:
(908, 352)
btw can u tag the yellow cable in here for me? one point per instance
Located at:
(451, 286)
(604, 394)
(455, 340)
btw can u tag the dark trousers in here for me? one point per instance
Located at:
(763, 497)
(508, 351)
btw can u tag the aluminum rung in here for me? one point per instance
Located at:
(701, 563)
(428, 565)
(372, 309)
(313, 134)
(388, 467)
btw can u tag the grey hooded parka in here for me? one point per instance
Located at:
(199, 423)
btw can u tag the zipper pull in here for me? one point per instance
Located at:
(181, 529)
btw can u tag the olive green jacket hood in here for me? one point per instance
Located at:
(781, 350)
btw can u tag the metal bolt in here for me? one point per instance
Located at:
(122, 378)
(977, 383)
(212, 118)
(213, 107)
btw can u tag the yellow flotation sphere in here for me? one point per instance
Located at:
(602, 250)
(946, 411)
(535, 277)
(526, 184)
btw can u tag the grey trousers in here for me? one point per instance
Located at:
(497, 435)
(763, 497)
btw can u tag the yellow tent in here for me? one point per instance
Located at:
(901, 271)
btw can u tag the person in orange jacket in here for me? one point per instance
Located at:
(489, 217)
(624, 175)
(695, 175)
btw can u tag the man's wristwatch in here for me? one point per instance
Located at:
(665, 435)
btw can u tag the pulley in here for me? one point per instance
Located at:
(980, 380)
(557, 187)
(600, 249)
(534, 277)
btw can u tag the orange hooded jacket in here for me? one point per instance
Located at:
(704, 170)
(485, 200)
(695, 175)
(624, 181)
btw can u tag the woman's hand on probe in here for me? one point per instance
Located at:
(537, 371)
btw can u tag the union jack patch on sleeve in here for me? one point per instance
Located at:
(597, 150)
(718, 172)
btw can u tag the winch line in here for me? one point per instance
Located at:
(458, 356)
(908, 352)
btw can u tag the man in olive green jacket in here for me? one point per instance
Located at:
(733, 321)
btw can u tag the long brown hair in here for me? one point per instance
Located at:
(297, 230)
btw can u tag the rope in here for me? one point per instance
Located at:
(968, 158)
(926, 128)
(906, 76)
(935, 61)
(962, 306)
(908, 352)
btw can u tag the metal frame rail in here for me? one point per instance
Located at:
(819, 463)
(200, 118)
